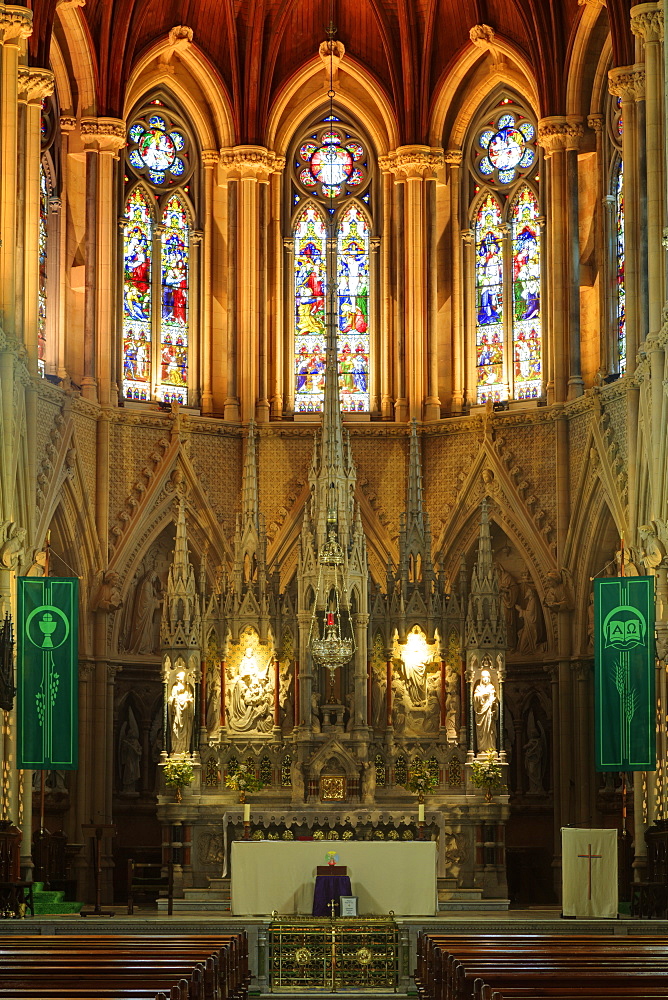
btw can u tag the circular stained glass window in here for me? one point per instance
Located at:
(331, 163)
(158, 149)
(505, 148)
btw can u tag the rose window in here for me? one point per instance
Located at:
(506, 148)
(158, 149)
(331, 163)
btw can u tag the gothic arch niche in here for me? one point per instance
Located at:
(249, 686)
(330, 195)
(139, 627)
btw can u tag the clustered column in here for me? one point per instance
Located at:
(248, 170)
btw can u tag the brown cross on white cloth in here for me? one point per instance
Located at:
(590, 857)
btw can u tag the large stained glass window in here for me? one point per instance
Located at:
(42, 249)
(620, 263)
(174, 265)
(489, 241)
(527, 368)
(137, 318)
(310, 256)
(331, 180)
(353, 310)
(157, 264)
(505, 146)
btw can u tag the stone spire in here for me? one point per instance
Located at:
(485, 624)
(414, 509)
(250, 507)
(181, 619)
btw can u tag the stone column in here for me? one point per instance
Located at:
(581, 670)
(102, 139)
(361, 625)
(15, 27)
(67, 126)
(36, 85)
(251, 167)
(560, 138)
(386, 312)
(277, 325)
(628, 83)
(303, 719)
(453, 159)
(416, 167)
(647, 23)
(210, 162)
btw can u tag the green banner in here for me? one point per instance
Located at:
(625, 685)
(48, 675)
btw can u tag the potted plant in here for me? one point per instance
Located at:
(486, 772)
(421, 780)
(178, 773)
(243, 780)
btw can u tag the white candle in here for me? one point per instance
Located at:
(421, 812)
(247, 812)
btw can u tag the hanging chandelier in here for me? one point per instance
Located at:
(332, 649)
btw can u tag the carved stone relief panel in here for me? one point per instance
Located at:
(249, 686)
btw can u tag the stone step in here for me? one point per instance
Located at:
(196, 905)
(199, 895)
(445, 894)
(480, 905)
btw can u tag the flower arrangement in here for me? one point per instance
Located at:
(243, 780)
(420, 779)
(178, 773)
(486, 772)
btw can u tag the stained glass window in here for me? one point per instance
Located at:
(620, 263)
(506, 146)
(137, 262)
(527, 367)
(42, 250)
(353, 310)
(489, 302)
(331, 163)
(174, 266)
(158, 149)
(310, 279)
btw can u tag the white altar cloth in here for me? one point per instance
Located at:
(280, 875)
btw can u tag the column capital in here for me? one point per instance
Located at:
(15, 23)
(210, 157)
(560, 132)
(103, 135)
(647, 21)
(596, 122)
(255, 162)
(627, 82)
(67, 123)
(453, 157)
(35, 84)
(413, 161)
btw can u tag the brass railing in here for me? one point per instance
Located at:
(347, 953)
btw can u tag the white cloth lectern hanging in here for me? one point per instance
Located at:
(589, 873)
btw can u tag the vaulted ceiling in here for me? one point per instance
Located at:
(256, 45)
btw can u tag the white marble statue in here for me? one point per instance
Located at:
(181, 713)
(486, 708)
(250, 707)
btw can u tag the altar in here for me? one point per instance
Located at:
(280, 876)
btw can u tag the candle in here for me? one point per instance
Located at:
(421, 812)
(247, 812)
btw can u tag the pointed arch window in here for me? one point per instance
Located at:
(506, 238)
(331, 190)
(43, 242)
(157, 240)
(620, 288)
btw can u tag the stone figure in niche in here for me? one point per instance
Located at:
(509, 593)
(285, 698)
(379, 697)
(11, 551)
(108, 597)
(316, 726)
(486, 708)
(297, 781)
(129, 754)
(652, 550)
(399, 699)
(529, 612)
(38, 563)
(630, 568)
(250, 707)
(181, 713)
(559, 591)
(431, 717)
(452, 704)
(212, 697)
(368, 783)
(534, 755)
(143, 634)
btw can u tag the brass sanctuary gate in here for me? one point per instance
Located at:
(348, 953)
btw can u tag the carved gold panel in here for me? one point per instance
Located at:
(332, 787)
